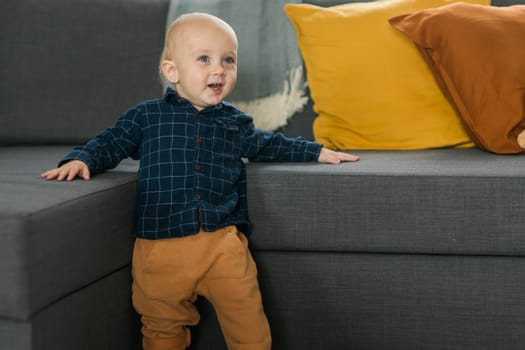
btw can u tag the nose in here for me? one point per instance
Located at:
(218, 69)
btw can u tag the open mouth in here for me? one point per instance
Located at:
(215, 87)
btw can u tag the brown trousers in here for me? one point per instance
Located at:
(168, 275)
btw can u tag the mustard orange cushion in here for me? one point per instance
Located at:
(370, 87)
(477, 54)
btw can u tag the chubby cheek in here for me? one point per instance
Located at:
(232, 80)
(229, 87)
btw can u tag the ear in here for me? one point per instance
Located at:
(169, 69)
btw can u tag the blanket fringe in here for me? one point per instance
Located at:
(272, 112)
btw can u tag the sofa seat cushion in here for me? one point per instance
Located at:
(444, 201)
(58, 237)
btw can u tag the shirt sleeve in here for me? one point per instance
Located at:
(262, 146)
(106, 150)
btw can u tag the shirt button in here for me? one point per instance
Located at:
(197, 196)
(198, 139)
(197, 167)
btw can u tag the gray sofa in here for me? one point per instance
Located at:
(402, 250)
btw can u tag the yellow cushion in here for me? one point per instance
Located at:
(370, 86)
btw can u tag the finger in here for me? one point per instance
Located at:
(333, 158)
(72, 174)
(84, 173)
(49, 175)
(52, 174)
(350, 157)
(62, 174)
(66, 174)
(338, 157)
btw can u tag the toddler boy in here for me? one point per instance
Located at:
(192, 189)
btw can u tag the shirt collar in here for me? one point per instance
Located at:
(173, 97)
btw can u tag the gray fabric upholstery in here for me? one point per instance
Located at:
(98, 316)
(393, 301)
(332, 300)
(435, 201)
(58, 237)
(68, 69)
(506, 2)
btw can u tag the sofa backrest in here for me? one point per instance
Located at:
(69, 68)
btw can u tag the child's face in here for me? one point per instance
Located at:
(204, 63)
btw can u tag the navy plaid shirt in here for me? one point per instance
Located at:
(191, 174)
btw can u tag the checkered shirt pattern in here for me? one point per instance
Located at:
(192, 163)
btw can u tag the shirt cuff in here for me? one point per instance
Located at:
(78, 154)
(312, 151)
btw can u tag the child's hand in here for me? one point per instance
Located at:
(333, 157)
(68, 171)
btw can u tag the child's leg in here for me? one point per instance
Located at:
(160, 330)
(231, 286)
(166, 311)
(168, 273)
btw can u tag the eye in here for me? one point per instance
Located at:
(204, 59)
(229, 60)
